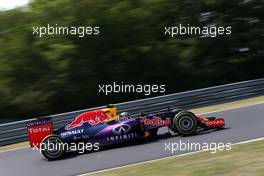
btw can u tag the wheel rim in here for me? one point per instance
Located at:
(53, 147)
(186, 123)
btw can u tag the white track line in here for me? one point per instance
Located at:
(175, 156)
(8, 150)
(226, 109)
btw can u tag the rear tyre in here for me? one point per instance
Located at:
(52, 147)
(185, 123)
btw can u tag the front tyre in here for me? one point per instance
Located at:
(52, 147)
(185, 123)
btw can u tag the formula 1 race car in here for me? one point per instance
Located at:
(104, 127)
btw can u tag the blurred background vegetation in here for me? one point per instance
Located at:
(53, 74)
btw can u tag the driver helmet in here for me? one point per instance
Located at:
(124, 115)
(111, 112)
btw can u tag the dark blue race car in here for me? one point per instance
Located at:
(104, 127)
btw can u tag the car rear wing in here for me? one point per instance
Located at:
(38, 130)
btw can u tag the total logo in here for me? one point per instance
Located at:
(156, 121)
(217, 122)
(39, 130)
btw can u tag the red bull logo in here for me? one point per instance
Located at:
(156, 121)
(91, 117)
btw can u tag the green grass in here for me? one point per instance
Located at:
(241, 160)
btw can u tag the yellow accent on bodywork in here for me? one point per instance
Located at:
(111, 113)
(146, 133)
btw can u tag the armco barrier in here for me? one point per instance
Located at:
(16, 131)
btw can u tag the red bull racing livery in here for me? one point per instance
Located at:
(105, 127)
(91, 117)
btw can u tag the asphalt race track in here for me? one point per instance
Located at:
(242, 124)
